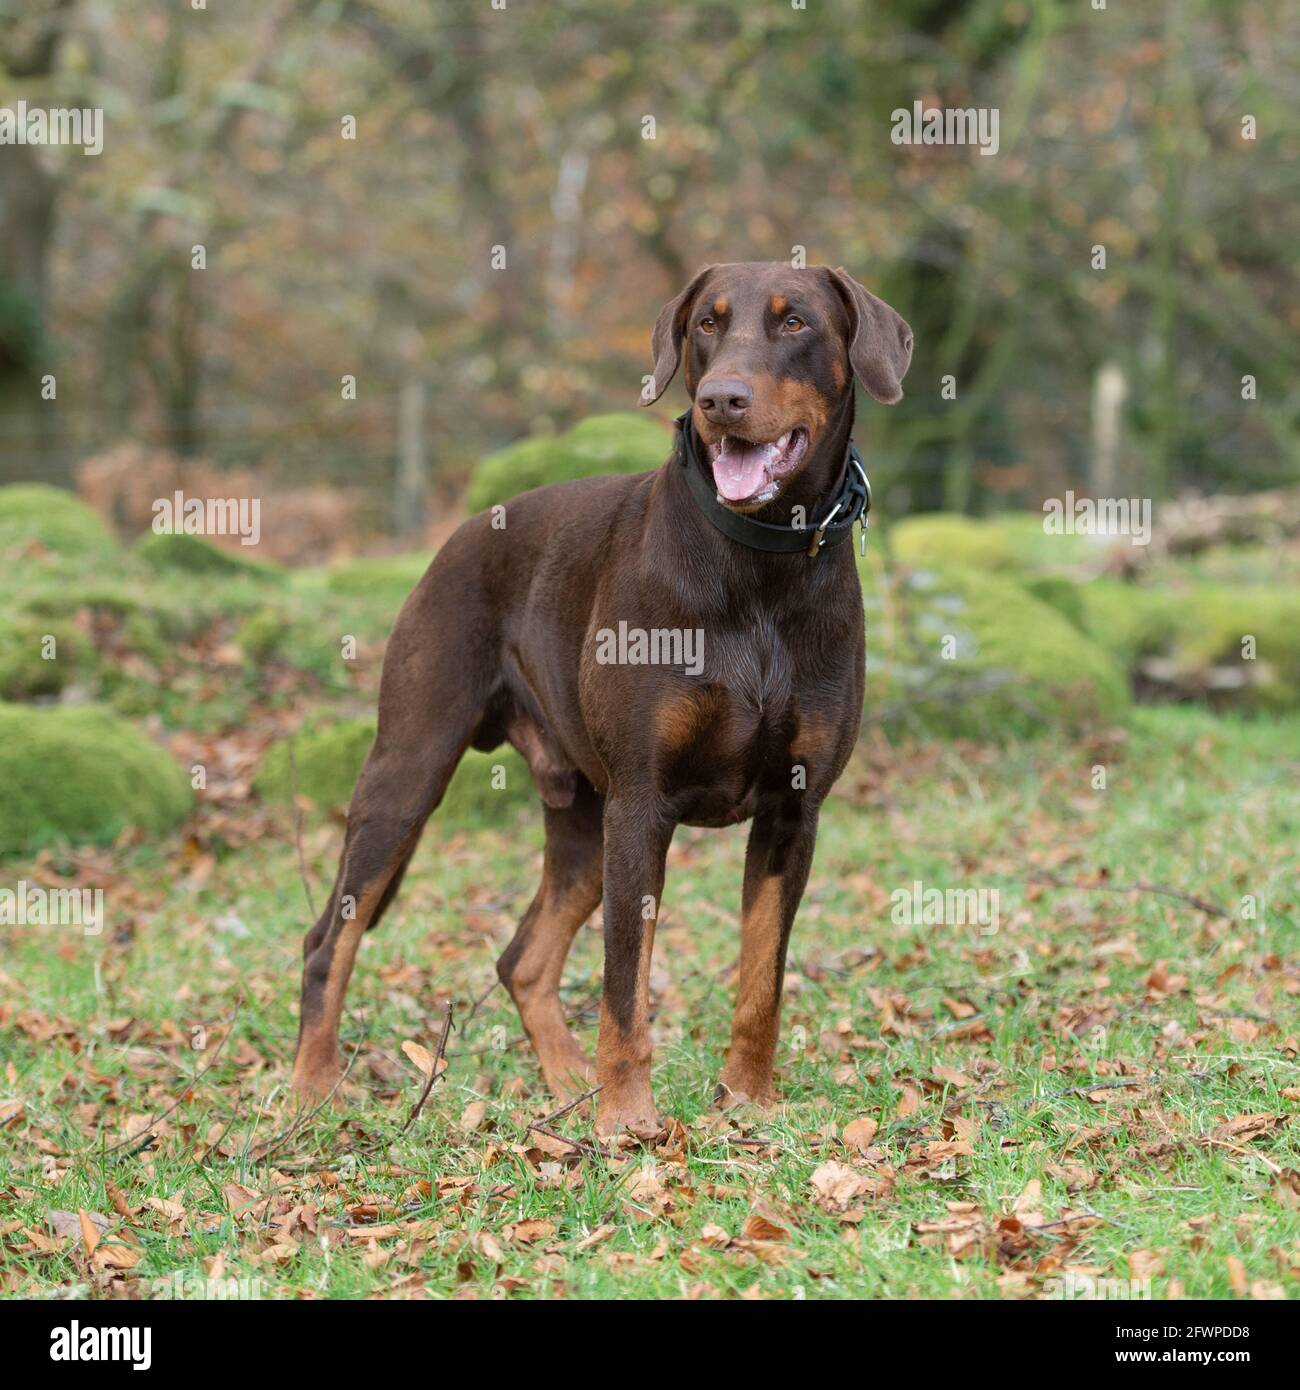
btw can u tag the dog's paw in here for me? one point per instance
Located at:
(645, 1125)
(729, 1097)
(315, 1085)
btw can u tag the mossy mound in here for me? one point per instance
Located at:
(1234, 645)
(1015, 544)
(1063, 595)
(944, 537)
(1129, 620)
(174, 551)
(37, 656)
(1250, 563)
(82, 775)
(325, 761)
(486, 789)
(261, 635)
(392, 576)
(967, 653)
(623, 442)
(1036, 550)
(56, 519)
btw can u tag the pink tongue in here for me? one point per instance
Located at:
(738, 469)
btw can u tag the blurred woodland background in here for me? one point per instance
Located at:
(1104, 734)
(523, 128)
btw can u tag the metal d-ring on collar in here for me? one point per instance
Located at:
(852, 502)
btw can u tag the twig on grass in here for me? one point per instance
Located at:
(1163, 890)
(284, 1136)
(477, 1005)
(542, 1126)
(578, 1144)
(1084, 1213)
(180, 1099)
(434, 1073)
(1245, 1153)
(572, 1105)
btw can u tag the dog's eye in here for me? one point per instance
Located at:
(793, 324)
(707, 325)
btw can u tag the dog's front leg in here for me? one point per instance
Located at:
(636, 844)
(777, 862)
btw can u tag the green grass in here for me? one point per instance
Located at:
(979, 1057)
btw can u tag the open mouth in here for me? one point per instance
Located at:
(745, 472)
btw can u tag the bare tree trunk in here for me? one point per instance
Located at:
(410, 496)
(566, 234)
(1108, 392)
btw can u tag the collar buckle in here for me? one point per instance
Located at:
(819, 532)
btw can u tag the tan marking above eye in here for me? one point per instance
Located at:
(779, 304)
(720, 305)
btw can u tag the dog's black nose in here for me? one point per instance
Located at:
(723, 400)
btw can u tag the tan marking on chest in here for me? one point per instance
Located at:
(814, 738)
(683, 719)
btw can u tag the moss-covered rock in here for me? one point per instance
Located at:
(81, 775)
(1014, 543)
(325, 761)
(261, 634)
(944, 537)
(172, 614)
(1036, 550)
(1062, 594)
(968, 652)
(38, 656)
(56, 519)
(391, 576)
(1233, 645)
(1129, 620)
(486, 789)
(1250, 563)
(623, 442)
(172, 551)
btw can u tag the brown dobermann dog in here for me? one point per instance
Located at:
(734, 543)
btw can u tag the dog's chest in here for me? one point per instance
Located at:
(727, 736)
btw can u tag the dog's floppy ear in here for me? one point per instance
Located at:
(666, 341)
(880, 342)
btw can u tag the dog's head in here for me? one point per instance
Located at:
(771, 353)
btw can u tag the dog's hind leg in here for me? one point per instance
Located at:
(385, 820)
(532, 964)
(431, 701)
